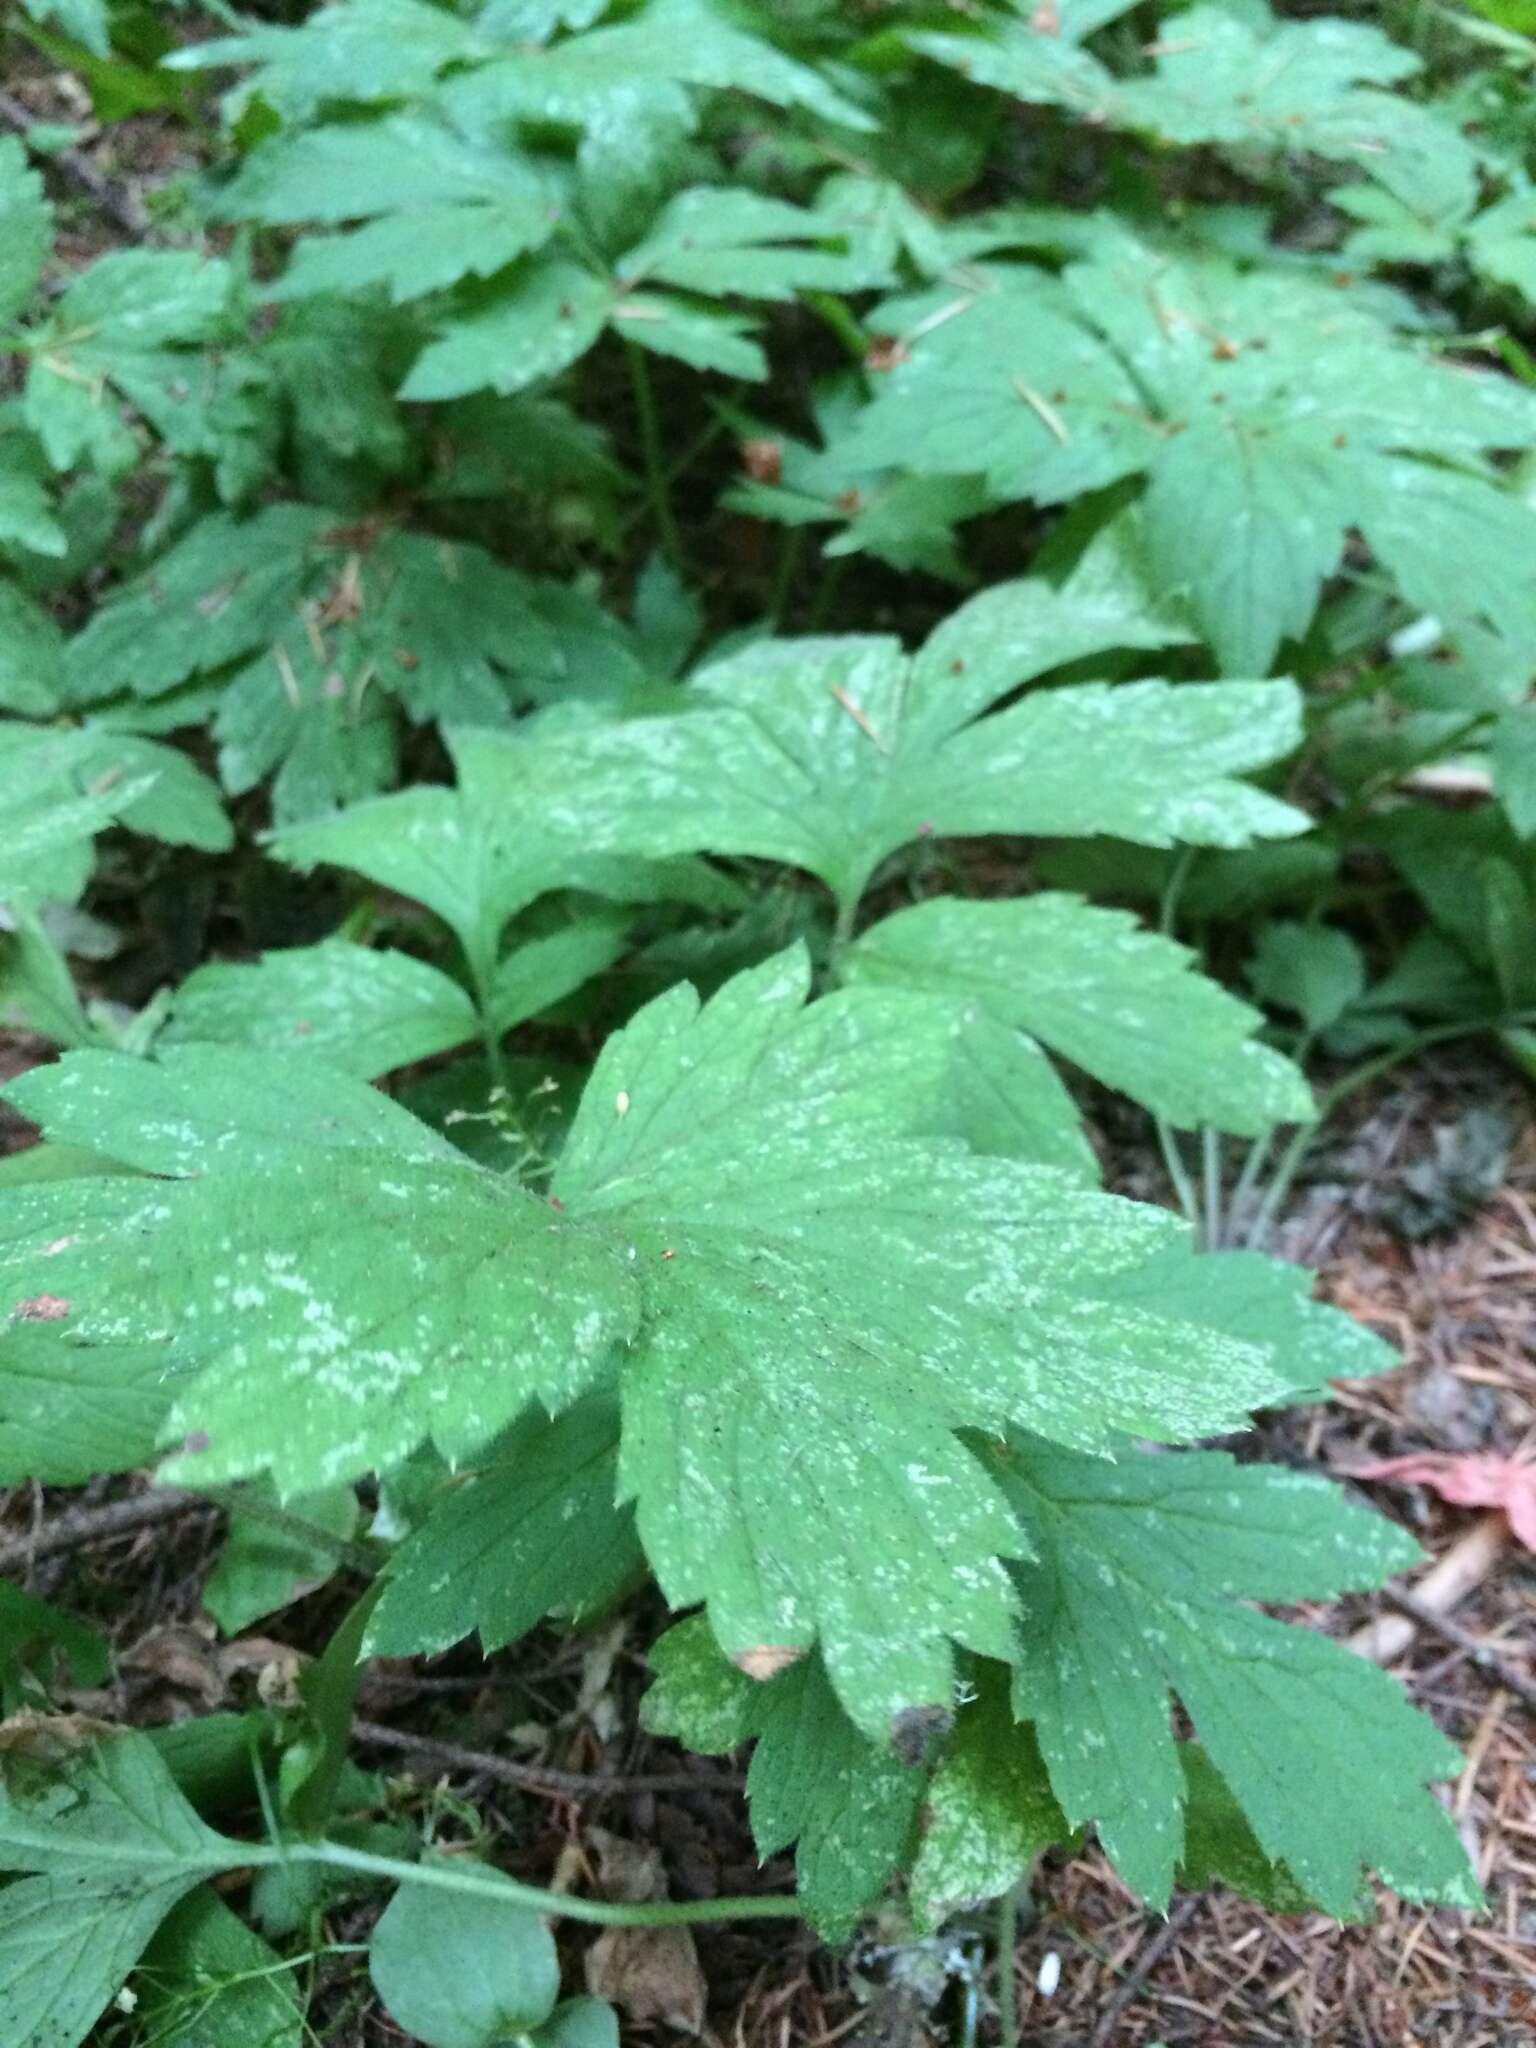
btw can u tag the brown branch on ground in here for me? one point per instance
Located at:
(122, 206)
(81, 1526)
(449, 1756)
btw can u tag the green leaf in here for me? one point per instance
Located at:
(26, 228)
(989, 1811)
(704, 337)
(636, 65)
(62, 787)
(1240, 78)
(42, 1644)
(1263, 1301)
(473, 858)
(1118, 1001)
(849, 1805)
(368, 51)
(31, 655)
(833, 753)
(579, 2023)
(537, 327)
(534, 1531)
(105, 329)
(36, 984)
(70, 1412)
(699, 1697)
(208, 1981)
(1221, 1848)
(1142, 1566)
(438, 207)
(267, 1565)
(1513, 757)
(488, 1273)
(463, 1972)
(1237, 392)
(813, 1303)
(85, 20)
(726, 242)
(544, 971)
(362, 1010)
(112, 1847)
(1313, 970)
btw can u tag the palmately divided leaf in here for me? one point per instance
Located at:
(26, 227)
(812, 1282)
(438, 207)
(362, 1010)
(60, 786)
(812, 1303)
(369, 51)
(1142, 1566)
(989, 1809)
(533, 1530)
(122, 322)
(1244, 80)
(112, 1846)
(332, 626)
(1237, 392)
(833, 753)
(847, 1804)
(1118, 1001)
(311, 1252)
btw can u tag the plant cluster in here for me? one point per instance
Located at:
(809, 585)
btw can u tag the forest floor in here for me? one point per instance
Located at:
(532, 1749)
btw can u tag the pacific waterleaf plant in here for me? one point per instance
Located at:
(758, 976)
(1236, 392)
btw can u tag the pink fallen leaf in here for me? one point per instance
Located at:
(1481, 1480)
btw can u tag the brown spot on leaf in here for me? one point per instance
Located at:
(198, 1440)
(918, 1732)
(767, 1662)
(885, 352)
(42, 1308)
(763, 461)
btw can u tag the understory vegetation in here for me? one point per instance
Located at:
(667, 666)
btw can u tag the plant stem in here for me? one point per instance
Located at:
(1293, 1158)
(1210, 1175)
(1178, 1173)
(784, 575)
(1007, 1985)
(471, 1880)
(657, 484)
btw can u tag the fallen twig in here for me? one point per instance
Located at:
(1464, 1566)
(1494, 1668)
(122, 206)
(449, 1756)
(1141, 1969)
(81, 1526)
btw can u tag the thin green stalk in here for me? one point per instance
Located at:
(1007, 1985)
(1378, 785)
(826, 592)
(1178, 1172)
(257, 1508)
(784, 575)
(842, 930)
(657, 484)
(1173, 889)
(470, 1880)
(1293, 1158)
(1210, 1177)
